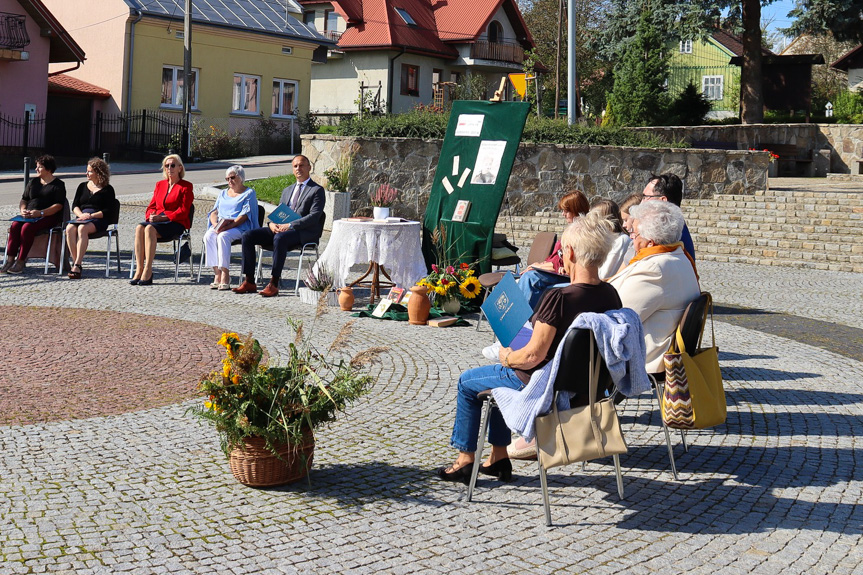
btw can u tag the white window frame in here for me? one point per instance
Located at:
(713, 87)
(686, 46)
(282, 83)
(244, 97)
(176, 103)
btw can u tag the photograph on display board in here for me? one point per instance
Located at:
(488, 160)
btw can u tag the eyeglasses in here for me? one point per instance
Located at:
(170, 165)
(230, 178)
(653, 195)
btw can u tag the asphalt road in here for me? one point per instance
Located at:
(142, 183)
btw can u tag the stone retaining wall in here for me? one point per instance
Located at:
(541, 171)
(844, 141)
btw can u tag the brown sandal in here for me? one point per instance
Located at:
(75, 275)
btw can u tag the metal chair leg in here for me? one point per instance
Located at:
(480, 441)
(48, 253)
(62, 253)
(683, 441)
(116, 235)
(543, 481)
(619, 475)
(658, 397)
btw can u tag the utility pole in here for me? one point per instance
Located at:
(557, 60)
(570, 63)
(187, 81)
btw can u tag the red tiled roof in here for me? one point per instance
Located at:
(733, 43)
(439, 23)
(63, 84)
(467, 19)
(376, 24)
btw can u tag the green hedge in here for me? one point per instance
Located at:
(422, 124)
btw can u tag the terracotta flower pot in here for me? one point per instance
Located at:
(346, 298)
(419, 306)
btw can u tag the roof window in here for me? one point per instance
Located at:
(406, 17)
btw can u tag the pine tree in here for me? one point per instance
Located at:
(639, 97)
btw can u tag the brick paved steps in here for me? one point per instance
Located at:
(815, 230)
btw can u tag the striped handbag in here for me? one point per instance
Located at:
(693, 396)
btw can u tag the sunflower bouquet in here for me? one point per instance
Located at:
(248, 396)
(448, 282)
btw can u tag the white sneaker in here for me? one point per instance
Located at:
(492, 352)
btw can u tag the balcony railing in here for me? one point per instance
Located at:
(13, 32)
(499, 51)
(333, 35)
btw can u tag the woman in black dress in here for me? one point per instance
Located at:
(41, 208)
(92, 211)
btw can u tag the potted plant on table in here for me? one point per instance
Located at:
(266, 415)
(382, 199)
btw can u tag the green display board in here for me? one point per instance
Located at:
(475, 164)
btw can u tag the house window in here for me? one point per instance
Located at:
(711, 87)
(246, 97)
(406, 17)
(331, 23)
(284, 98)
(309, 19)
(410, 80)
(436, 76)
(495, 32)
(686, 47)
(172, 87)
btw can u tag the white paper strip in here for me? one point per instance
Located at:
(463, 177)
(455, 165)
(447, 185)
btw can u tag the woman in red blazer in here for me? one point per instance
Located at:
(167, 216)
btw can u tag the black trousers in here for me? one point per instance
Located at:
(282, 243)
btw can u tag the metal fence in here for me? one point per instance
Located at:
(19, 135)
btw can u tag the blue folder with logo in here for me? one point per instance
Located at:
(20, 218)
(506, 309)
(283, 214)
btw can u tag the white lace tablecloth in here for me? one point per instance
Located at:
(396, 246)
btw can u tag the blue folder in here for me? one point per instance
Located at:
(283, 214)
(20, 218)
(506, 309)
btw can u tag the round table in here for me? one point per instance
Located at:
(392, 249)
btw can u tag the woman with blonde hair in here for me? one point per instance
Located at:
(167, 216)
(621, 251)
(585, 245)
(93, 209)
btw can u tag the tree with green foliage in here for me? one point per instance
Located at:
(639, 97)
(842, 18)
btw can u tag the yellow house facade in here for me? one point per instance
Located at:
(251, 59)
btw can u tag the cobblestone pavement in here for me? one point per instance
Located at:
(774, 490)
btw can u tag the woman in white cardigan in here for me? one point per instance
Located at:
(661, 280)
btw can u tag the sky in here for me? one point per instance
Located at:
(779, 12)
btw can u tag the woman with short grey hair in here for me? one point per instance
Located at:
(661, 222)
(235, 211)
(660, 281)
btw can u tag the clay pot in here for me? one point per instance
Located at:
(419, 306)
(346, 298)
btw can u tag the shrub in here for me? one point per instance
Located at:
(413, 124)
(688, 108)
(848, 107)
(213, 142)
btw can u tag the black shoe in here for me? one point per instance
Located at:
(502, 469)
(134, 282)
(147, 282)
(461, 474)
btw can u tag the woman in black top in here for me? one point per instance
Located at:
(41, 208)
(93, 210)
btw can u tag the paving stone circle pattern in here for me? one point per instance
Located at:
(774, 490)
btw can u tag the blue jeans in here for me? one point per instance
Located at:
(533, 284)
(468, 408)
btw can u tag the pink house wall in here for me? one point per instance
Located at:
(25, 82)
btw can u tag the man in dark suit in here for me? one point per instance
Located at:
(307, 199)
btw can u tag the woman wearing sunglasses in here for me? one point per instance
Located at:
(235, 211)
(167, 216)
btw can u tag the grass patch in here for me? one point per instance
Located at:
(270, 189)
